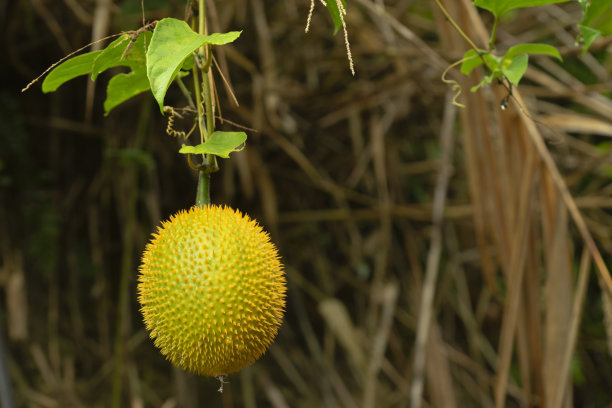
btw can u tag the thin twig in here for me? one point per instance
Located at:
(65, 58)
(433, 257)
(132, 33)
(227, 85)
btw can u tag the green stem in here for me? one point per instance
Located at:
(465, 36)
(207, 52)
(201, 16)
(198, 94)
(210, 159)
(185, 91)
(493, 34)
(203, 193)
(201, 84)
(210, 115)
(456, 26)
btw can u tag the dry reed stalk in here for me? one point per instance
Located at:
(516, 271)
(471, 141)
(440, 382)
(505, 157)
(442, 388)
(558, 286)
(379, 345)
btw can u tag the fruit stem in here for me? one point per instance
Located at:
(205, 108)
(203, 193)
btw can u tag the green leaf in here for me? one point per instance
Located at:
(219, 143)
(334, 12)
(110, 56)
(501, 7)
(69, 69)
(471, 60)
(493, 61)
(173, 40)
(123, 86)
(487, 80)
(543, 49)
(516, 68)
(594, 10)
(115, 54)
(587, 36)
(188, 63)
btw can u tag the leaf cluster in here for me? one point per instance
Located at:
(155, 60)
(513, 65)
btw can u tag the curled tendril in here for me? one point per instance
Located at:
(455, 85)
(170, 128)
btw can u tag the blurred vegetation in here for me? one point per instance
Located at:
(342, 171)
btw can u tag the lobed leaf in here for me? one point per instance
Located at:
(110, 56)
(517, 67)
(123, 86)
(173, 40)
(219, 143)
(118, 54)
(69, 69)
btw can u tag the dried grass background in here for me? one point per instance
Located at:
(427, 247)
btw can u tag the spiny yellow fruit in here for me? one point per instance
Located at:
(212, 290)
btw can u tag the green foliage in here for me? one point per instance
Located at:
(515, 68)
(219, 143)
(587, 36)
(501, 7)
(542, 49)
(513, 65)
(154, 60)
(122, 52)
(168, 49)
(596, 14)
(596, 20)
(334, 12)
(173, 41)
(67, 70)
(123, 86)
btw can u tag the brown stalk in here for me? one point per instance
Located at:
(516, 270)
(574, 325)
(544, 154)
(558, 285)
